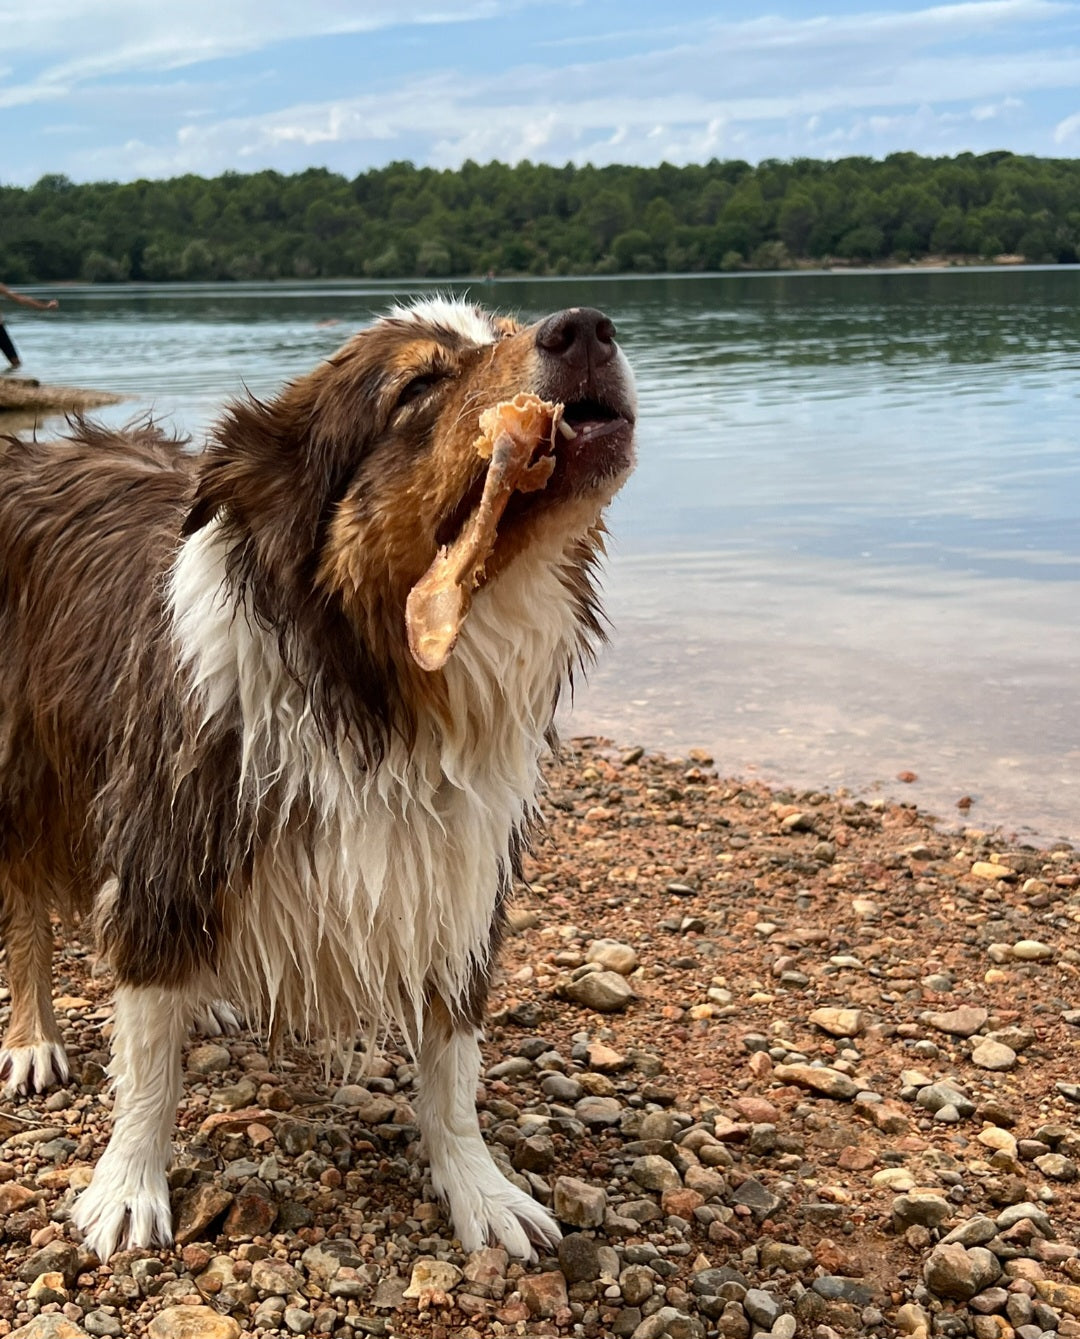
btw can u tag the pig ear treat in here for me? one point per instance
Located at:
(438, 604)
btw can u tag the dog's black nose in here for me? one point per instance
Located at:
(581, 337)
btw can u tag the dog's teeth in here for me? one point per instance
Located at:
(566, 430)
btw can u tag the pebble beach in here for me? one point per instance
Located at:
(781, 1064)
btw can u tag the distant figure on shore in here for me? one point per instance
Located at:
(7, 348)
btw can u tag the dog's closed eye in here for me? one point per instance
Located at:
(419, 387)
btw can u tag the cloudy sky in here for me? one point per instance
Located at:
(119, 89)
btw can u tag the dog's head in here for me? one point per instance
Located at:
(338, 494)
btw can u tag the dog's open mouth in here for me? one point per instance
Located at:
(538, 453)
(595, 444)
(592, 445)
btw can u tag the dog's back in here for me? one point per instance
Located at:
(87, 524)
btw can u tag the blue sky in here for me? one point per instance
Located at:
(120, 89)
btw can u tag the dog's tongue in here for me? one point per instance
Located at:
(439, 602)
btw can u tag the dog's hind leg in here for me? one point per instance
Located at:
(32, 1057)
(127, 1202)
(484, 1206)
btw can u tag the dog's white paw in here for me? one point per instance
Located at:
(33, 1069)
(124, 1208)
(486, 1208)
(217, 1019)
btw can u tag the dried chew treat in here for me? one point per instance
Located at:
(439, 602)
(526, 418)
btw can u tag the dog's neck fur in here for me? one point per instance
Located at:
(371, 888)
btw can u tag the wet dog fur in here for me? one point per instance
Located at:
(213, 738)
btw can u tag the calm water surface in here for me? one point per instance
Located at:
(851, 548)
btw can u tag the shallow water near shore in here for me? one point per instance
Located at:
(851, 547)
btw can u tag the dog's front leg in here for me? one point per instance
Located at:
(127, 1202)
(484, 1206)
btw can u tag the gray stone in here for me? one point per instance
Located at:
(578, 1203)
(708, 1282)
(272, 1277)
(962, 1022)
(389, 1293)
(787, 1256)
(103, 1324)
(192, 1322)
(52, 1325)
(670, 1323)
(1015, 1213)
(1017, 1037)
(1019, 1309)
(296, 1136)
(431, 1275)
(268, 1314)
(732, 1322)
(613, 956)
(911, 1318)
(658, 1125)
(579, 1258)
(958, 1273)
(208, 1058)
(975, 1231)
(1057, 1167)
(827, 1082)
(514, 1068)
(605, 992)
(637, 1283)
(994, 1056)
(762, 1307)
(1032, 950)
(486, 1265)
(757, 1198)
(324, 1260)
(937, 1095)
(369, 1108)
(560, 1088)
(535, 1154)
(598, 1111)
(838, 1022)
(653, 1172)
(922, 1210)
(838, 1289)
(989, 1301)
(59, 1257)
(233, 1096)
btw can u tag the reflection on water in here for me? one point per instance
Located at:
(852, 545)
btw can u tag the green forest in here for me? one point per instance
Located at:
(403, 221)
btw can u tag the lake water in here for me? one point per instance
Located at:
(851, 548)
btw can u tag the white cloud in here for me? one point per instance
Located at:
(117, 37)
(768, 86)
(1067, 129)
(524, 112)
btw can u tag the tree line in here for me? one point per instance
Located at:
(405, 221)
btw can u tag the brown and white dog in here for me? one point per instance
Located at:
(209, 712)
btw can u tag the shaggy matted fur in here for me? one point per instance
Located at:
(208, 712)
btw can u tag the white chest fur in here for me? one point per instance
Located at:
(371, 888)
